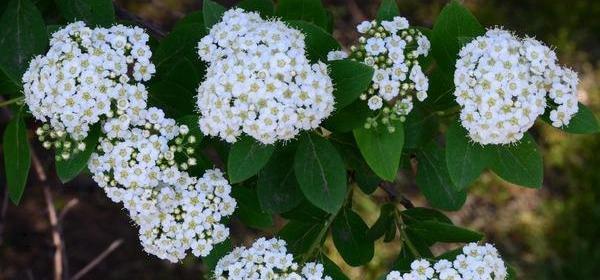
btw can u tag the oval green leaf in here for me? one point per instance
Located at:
(453, 22)
(277, 188)
(350, 236)
(434, 180)
(382, 150)
(351, 78)
(22, 35)
(17, 159)
(318, 42)
(246, 158)
(519, 163)
(320, 172)
(464, 158)
(306, 10)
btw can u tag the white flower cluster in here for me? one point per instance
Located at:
(475, 263)
(503, 83)
(259, 81)
(265, 260)
(392, 48)
(183, 213)
(88, 74)
(137, 163)
(94, 76)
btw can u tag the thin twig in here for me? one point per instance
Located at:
(72, 203)
(113, 246)
(126, 15)
(56, 239)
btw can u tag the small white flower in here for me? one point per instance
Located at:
(375, 102)
(364, 26)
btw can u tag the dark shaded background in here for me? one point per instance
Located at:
(552, 233)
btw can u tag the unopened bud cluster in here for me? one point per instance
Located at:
(392, 48)
(475, 263)
(60, 141)
(266, 259)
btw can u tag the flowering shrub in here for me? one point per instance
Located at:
(257, 111)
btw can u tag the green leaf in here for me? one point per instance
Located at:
(248, 208)
(351, 78)
(422, 126)
(67, 170)
(387, 10)
(363, 175)
(306, 10)
(441, 90)
(172, 97)
(320, 172)
(306, 212)
(464, 158)
(246, 158)
(349, 118)
(218, 252)
(519, 163)
(583, 122)
(265, 8)
(17, 160)
(349, 233)
(212, 12)
(22, 35)
(318, 42)
(434, 180)
(299, 235)
(277, 188)
(432, 231)
(382, 150)
(93, 12)
(384, 222)
(453, 22)
(418, 214)
(331, 268)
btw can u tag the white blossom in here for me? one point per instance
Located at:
(392, 49)
(183, 214)
(476, 262)
(266, 259)
(88, 75)
(503, 83)
(259, 81)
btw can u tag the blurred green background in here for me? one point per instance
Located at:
(552, 233)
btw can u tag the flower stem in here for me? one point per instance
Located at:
(11, 101)
(411, 247)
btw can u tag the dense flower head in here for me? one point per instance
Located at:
(266, 259)
(503, 83)
(477, 262)
(141, 162)
(392, 48)
(259, 81)
(182, 214)
(136, 149)
(88, 74)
